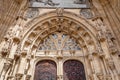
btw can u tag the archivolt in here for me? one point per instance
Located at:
(70, 23)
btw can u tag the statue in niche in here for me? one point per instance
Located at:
(9, 33)
(110, 38)
(48, 2)
(111, 64)
(17, 30)
(100, 25)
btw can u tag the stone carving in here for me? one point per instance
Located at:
(18, 76)
(100, 35)
(110, 38)
(63, 42)
(100, 76)
(87, 13)
(111, 64)
(28, 77)
(7, 64)
(17, 29)
(59, 11)
(99, 25)
(9, 33)
(48, 2)
(111, 42)
(79, 1)
(59, 3)
(5, 47)
(90, 77)
(108, 77)
(32, 13)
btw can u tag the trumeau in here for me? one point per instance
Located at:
(59, 3)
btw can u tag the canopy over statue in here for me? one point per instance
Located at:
(60, 3)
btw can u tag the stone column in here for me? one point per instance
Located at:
(6, 68)
(87, 63)
(30, 71)
(13, 50)
(60, 66)
(22, 65)
(97, 66)
(3, 52)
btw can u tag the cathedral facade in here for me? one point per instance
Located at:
(53, 40)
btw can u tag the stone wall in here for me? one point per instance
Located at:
(8, 14)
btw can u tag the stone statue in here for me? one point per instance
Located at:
(109, 37)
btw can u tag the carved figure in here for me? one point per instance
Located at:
(48, 2)
(59, 11)
(79, 1)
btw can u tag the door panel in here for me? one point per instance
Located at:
(73, 70)
(46, 70)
